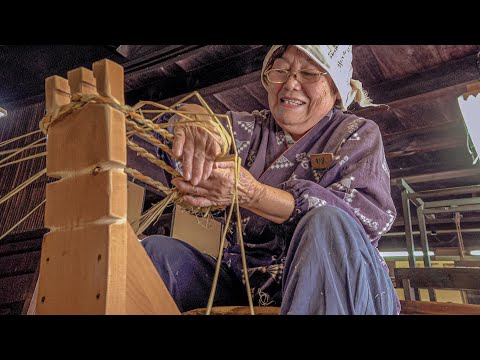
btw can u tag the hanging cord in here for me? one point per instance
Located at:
(461, 247)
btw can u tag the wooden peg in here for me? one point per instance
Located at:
(82, 81)
(110, 79)
(57, 92)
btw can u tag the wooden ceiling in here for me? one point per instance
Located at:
(422, 126)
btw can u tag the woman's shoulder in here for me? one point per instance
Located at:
(256, 115)
(351, 123)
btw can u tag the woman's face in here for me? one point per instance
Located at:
(298, 107)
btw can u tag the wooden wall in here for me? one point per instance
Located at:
(19, 266)
(22, 120)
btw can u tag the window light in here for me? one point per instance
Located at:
(403, 253)
(469, 104)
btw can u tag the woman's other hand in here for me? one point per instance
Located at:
(217, 190)
(195, 147)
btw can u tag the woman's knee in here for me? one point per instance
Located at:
(159, 244)
(325, 216)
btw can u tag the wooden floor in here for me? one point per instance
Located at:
(236, 310)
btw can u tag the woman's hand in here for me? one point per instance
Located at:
(217, 190)
(271, 203)
(195, 147)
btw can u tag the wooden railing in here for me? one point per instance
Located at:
(437, 278)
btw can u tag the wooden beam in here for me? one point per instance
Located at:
(429, 168)
(402, 145)
(220, 87)
(439, 278)
(467, 222)
(449, 78)
(437, 308)
(441, 175)
(227, 69)
(165, 56)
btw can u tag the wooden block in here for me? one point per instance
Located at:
(57, 93)
(84, 271)
(202, 235)
(81, 80)
(136, 199)
(146, 292)
(95, 134)
(76, 201)
(110, 79)
(32, 304)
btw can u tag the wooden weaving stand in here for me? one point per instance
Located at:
(92, 262)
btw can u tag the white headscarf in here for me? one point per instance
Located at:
(337, 61)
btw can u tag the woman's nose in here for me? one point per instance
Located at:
(292, 82)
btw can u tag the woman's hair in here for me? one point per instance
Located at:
(277, 54)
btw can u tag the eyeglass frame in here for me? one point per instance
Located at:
(266, 72)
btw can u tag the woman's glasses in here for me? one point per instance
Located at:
(280, 76)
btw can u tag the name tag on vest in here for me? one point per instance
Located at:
(321, 161)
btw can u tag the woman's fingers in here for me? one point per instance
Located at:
(187, 160)
(198, 158)
(198, 201)
(178, 142)
(198, 150)
(224, 164)
(207, 168)
(187, 188)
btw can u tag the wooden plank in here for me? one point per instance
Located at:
(145, 292)
(447, 75)
(236, 310)
(467, 263)
(203, 234)
(135, 201)
(422, 144)
(439, 278)
(435, 176)
(30, 305)
(399, 60)
(219, 72)
(437, 308)
(83, 271)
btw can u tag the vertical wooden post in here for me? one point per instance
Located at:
(91, 262)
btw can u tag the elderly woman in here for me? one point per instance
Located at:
(314, 192)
